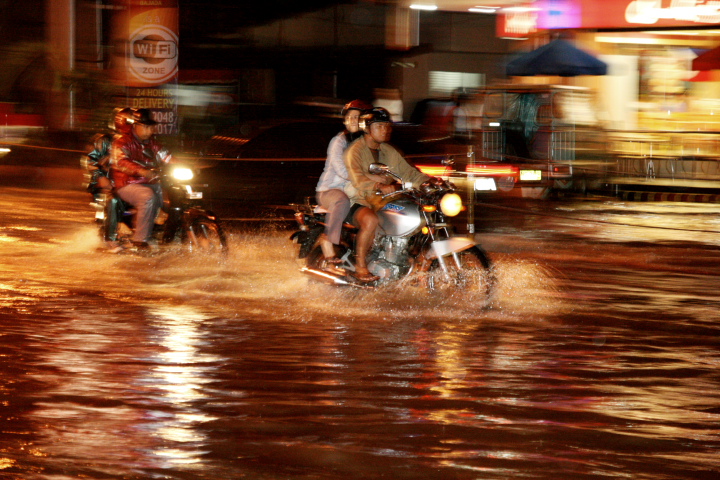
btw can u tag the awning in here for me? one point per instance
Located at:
(557, 58)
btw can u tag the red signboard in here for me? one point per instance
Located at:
(592, 14)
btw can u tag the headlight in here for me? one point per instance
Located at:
(182, 173)
(451, 204)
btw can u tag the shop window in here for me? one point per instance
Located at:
(443, 84)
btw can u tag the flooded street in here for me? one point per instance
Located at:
(598, 357)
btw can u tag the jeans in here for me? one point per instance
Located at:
(147, 200)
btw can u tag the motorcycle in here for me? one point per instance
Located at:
(186, 220)
(414, 241)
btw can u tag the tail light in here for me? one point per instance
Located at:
(493, 170)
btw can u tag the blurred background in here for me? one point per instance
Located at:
(210, 67)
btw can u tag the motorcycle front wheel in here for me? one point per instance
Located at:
(205, 236)
(469, 270)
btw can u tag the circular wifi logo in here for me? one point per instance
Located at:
(153, 54)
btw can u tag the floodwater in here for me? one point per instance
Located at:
(598, 357)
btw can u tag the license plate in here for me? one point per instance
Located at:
(485, 184)
(530, 175)
(194, 195)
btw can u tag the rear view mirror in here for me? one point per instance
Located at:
(378, 168)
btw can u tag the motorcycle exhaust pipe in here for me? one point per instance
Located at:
(330, 278)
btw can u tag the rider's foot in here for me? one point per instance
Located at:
(141, 245)
(328, 249)
(331, 265)
(113, 247)
(363, 275)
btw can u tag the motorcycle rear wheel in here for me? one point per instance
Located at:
(205, 236)
(469, 270)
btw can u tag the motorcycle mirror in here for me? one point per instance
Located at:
(378, 168)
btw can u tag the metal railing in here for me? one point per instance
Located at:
(674, 155)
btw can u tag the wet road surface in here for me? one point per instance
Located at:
(597, 358)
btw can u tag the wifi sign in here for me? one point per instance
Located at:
(153, 54)
(154, 49)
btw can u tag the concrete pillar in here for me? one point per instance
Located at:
(61, 45)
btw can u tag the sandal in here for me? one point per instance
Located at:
(331, 265)
(364, 276)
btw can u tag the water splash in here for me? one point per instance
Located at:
(260, 277)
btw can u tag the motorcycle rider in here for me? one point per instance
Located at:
(330, 188)
(365, 187)
(97, 160)
(135, 155)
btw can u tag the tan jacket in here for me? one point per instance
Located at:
(363, 184)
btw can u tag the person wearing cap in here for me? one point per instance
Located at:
(364, 186)
(135, 156)
(330, 192)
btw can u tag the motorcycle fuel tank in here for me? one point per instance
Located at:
(400, 217)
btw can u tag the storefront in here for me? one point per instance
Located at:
(649, 46)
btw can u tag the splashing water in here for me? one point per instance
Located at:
(261, 276)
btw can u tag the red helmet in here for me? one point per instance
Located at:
(121, 120)
(355, 105)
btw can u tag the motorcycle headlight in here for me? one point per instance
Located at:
(451, 204)
(182, 174)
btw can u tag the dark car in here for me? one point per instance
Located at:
(255, 167)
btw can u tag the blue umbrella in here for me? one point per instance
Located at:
(557, 58)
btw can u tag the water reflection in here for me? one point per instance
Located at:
(180, 375)
(119, 396)
(596, 359)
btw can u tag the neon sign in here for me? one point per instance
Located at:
(558, 14)
(648, 12)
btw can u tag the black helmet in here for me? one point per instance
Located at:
(375, 115)
(355, 105)
(142, 116)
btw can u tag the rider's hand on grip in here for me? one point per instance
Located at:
(164, 156)
(150, 174)
(386, 189)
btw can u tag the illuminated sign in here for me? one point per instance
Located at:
(153, 54)
(145, 62)
(520, 21)
(648, 12)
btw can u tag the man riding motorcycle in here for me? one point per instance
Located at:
(135, 155)
(373, 148)
(97, 161)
